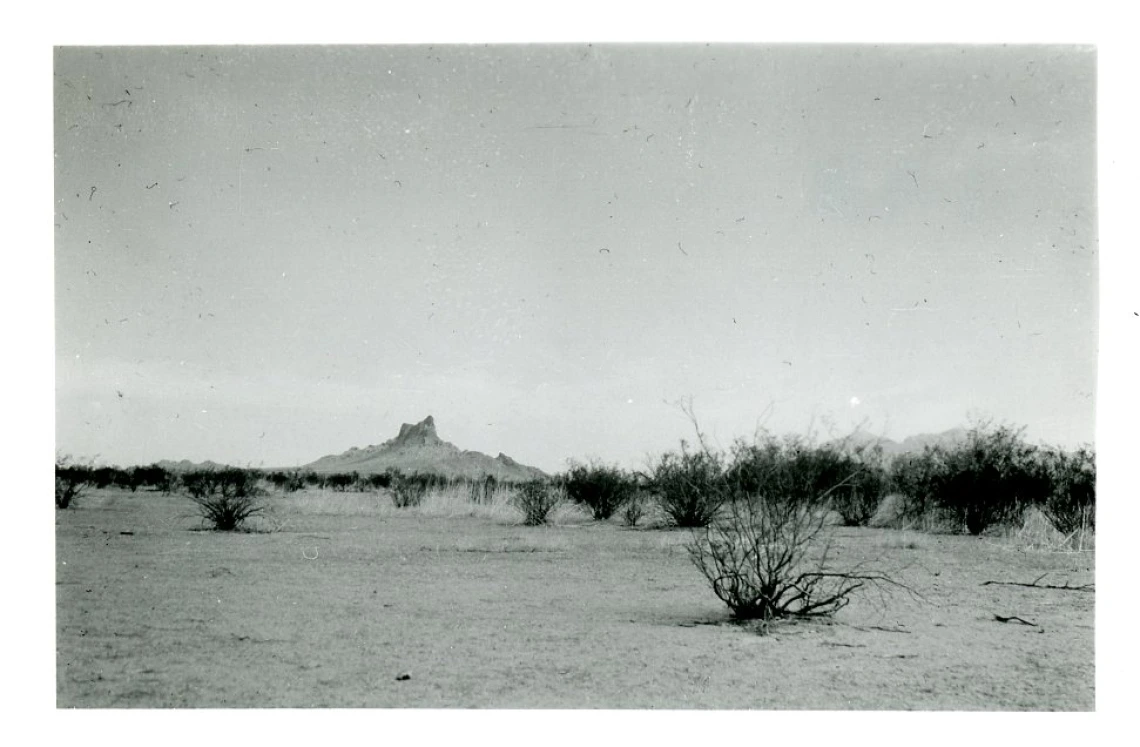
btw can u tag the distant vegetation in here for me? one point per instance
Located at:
(985, 480)
(992, 478)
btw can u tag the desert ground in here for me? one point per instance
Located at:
(342, 600)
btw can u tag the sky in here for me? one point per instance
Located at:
(266, 254)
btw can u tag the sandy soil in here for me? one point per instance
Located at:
(336, 605)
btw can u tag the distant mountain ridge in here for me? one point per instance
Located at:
(417, 448)
(909, 445)
(185, 465)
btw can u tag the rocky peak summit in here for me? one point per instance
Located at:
(421, 434)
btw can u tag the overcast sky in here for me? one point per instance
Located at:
(268, 254)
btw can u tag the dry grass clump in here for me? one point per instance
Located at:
(896, 512)
(494, 503)
(328, 502)
(1037, 533)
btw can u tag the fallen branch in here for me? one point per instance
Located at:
(1015, 618)
(882, 628)
(1036, 585)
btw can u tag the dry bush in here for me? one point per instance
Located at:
(766, 559)
(71, 481)
(1039, 533)
(537, 501)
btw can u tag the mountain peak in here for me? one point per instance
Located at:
(418, 449)
(421, 434)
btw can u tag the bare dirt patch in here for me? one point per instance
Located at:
(383, 608)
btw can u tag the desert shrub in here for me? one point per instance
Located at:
(226, 498)
(294, 482)
(71, 482)
(408, 491)
(858, 495)
(105, 477)
(152, 476)
(690, 486)
(850, 477)
(376, 481)
(766, 558)
(1071, 503)
(340, 481)
(987, 480)
(600, 488)
(287, 482)
(912, 480)
(537, 500)
(789, 470)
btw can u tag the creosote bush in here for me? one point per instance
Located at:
(537, 500)
(766, 559)
(600, 488)
(226, 498)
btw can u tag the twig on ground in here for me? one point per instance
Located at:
(1035, 584)
(884, 629)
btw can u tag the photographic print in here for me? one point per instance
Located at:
(576, 376)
